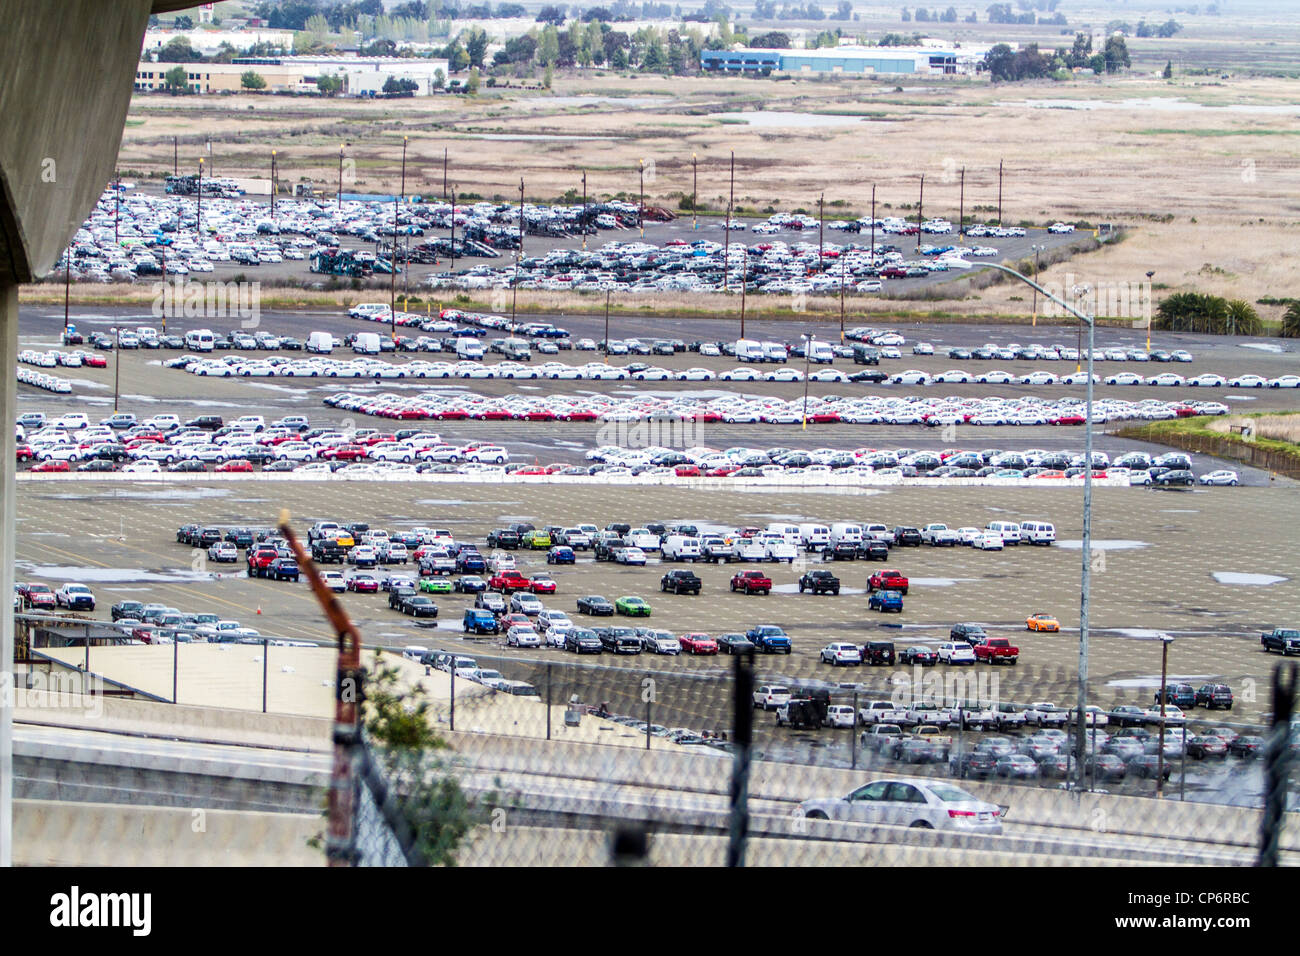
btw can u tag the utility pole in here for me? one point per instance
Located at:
(1165, 641)
(744, 281)
(117, 203)
(873, 225)
(514, 290)
(808, 340)
(695, 191)
(198, 216)
(821, 233)
(392, 277)
(444, 174)
(453, 230)
(999, 192)
(640, 215)
(585, 217)
(1150, 276)
(606, 341)
(340, 194)
(406, 273)
(1034, 321)
(961, 206)
(272, 184)
(176, 156)
(920, 206)
(67, 285)
(843, 268)
(726, 240)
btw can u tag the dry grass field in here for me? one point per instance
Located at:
(1202, 167)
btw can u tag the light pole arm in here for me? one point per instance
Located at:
(1043, 292)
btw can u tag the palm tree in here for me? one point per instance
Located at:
(1291, 320)
(1242, 319)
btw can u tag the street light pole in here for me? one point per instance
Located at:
(821, 232)
(453, 232)
(695, 194)
(640, 214)
(340, 193)
(961, 206)
(272, 184)
(1035, 307)
(606, 343)
(585, 217)
(744, 282)
(514, 290)
(920, 207)
(807, 356)
(1150, 276)
(1085, 577)
(198, 215)
(726, 239)
(117, 362)
(999, 192)
(1165, 641)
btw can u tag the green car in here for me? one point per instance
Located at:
(435, 585)
(632, 607)
(537, 540)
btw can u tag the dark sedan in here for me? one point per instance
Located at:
(925, 656)
(596, 605)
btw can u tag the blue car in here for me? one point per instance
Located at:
(470, 562)
(885, 601)
(769, 639)
(561, 554)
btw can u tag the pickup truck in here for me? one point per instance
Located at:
(883, 712)
(328, 551)
(1285, 640)
(932, 735)
(681, 582)
(769, 639)
(996, 650)
(882, 737)
(751, 582)
(939, 535)
(887, 580)
(819, 582)
(509, 581)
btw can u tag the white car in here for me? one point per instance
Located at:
(956, 652)
(1220, 478)
(1166, 378)
(922, 348)
(521, 635)
(661, 642)
(988, 541)
(909, 802)
(1248, 381)
(911, 377)
(1285, 381)
(841, 653)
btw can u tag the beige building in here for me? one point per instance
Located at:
(362, 76)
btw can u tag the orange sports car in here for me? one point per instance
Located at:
(1042, 622)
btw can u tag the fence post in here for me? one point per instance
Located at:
(266, 653)
(176, 668)
(548, 700)
(1277, 765)
(452, 720)
(853, 737)
(648, 693)
(743, 735)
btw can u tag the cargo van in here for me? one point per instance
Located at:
(814, 537)
(681, 547)
(469, 348)
(518, 350)
(775, 352)
(845, 532)
(1037, 532)
(821, 353)
(749, 350)
(320, 342)
(200, 340)
(1009, 531)
(366, 343)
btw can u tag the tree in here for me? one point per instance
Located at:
(907, 16)
(1000, 62)
(183, 23)
(476, 42)
(179, 50)
(1116, 54)
(329, 84)
(1242, 319)
(654, 59)
(844, 10)
(471, 85)
(177, 79)
(553, 15)
(439, 79)
(771, 41)
(394, 85)
(1291, 321)
(1169, 70)
(1206, 314)
(252, 80)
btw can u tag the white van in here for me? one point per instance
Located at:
(366, 343)
(775, 352)
(1037, 532)
(320, 342)
(413, 652)
(821, 353)
(749, 350)
(843, 531)
(200, 340)
(469, 348)
(1009, 531)
(814, 537)
(681, 547)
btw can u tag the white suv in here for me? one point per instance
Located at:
(771, 696)
(841, 652)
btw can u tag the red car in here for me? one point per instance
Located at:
(52, 466)
(888, 580)
(259, 559)
(698, 644)
(542, 584)
(25, 453)
(723, 471)
(537, 415)
(363, 584)
(508, 581)
(235, 464)
(94, 361)
(823, 418)
(36, 596)
(375, 439)
(493, 415)
(687, 471)
(582, 416)
(1066, 420)
(345, 453)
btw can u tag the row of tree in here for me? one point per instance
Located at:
(769, 10)
(1006, 65)
(1206, 314)
(1144, 29)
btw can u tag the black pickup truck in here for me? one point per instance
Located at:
(328, 551)
(1286, 640)
(819, 582)
(681, 582)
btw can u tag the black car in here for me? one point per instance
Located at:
(396, 595)
(1246, 746)
(240, 537)
(841, 551)
(1179, 476)
(189, 466)
(970, 633)
(869, 376)
(976, 763)
(873, 549)
(185, 533)
(469, 584)
(620, 640)
(919, 654)
(283, 569)
(127, 610)
(1147, 766)
(681, 582)
(417, 605)
(596, 605)
(1211, 696)
(582, 641)
(1127, 715)
(730, 643)
(907, 537)
(96, 464)
(207, 537)
(878, 652)
(819, 582)
(206, 422)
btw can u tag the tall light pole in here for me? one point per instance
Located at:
(340, 193)
(444, 174)
(920, 207)
(117, 362)
(198, 215)
(406, 273)
(272, 184)
(808, 338)
(1165, 641)
(744, 282)
(585, 217)
(514, 290)
(606, 340)
(695, 191)
(640, 213)
(726, 240)
(453, 231)
(1034, 310)
(821, 225)
(873, 225)
(961, 206)
(999, 192)
(843, 268)
(1150, 276)
(117, 205)
(1085, 577)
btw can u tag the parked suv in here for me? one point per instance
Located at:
(1211, 696)
(1181, 695)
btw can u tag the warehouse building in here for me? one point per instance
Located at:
(362, 75)
(859, 60)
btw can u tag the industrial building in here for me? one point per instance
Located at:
(362, 75)
(861, 60)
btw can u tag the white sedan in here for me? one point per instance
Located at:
(1220, 478)
(996, 377)
(1208, 380)
(1125, 378)
(911, 377)
(739, 375)
(1285, 381)
(909, 802)
(1165, 378)
(1248, 381)
(953, 376)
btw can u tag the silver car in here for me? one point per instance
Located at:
(909, 802)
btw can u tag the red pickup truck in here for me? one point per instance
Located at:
(752, 582)
(996, 650)
(508, 581)
(890, 580)
(259, 560)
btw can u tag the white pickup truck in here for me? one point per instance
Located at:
(883, 712)
(939, 535)
(881, 737)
